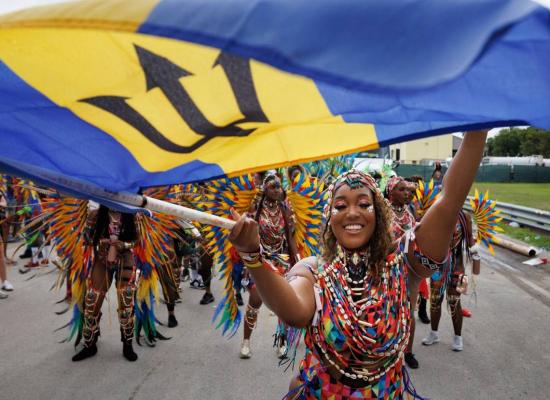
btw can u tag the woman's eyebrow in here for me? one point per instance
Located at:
(361, 195)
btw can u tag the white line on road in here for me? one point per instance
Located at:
(492, 260)
(532, 285)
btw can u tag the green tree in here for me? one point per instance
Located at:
(506, 143)
(535, 141)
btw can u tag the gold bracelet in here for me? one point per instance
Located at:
(252, 265)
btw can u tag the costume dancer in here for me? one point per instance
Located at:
(280, 230)
(113, 236)
(274, 218)
(6, 286)
(5, 217)
(353, 300)
(451, 280)
(399, 197)
(423, 197)
(96, 246)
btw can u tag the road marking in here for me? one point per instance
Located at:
(514, 275)
(493, 260)
(535, 286)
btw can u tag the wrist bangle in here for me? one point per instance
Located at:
(251, 260)
(250, 257)
(252, 265)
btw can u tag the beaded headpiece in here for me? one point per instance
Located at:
(354, 179)
(392, 183)
(268, 178)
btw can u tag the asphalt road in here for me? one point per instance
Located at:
(506, 348)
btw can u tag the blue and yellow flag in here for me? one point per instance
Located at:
(127, 94)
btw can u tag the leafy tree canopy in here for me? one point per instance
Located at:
(517, 142)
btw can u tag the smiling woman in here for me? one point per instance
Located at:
(354, 300)
(358, 213)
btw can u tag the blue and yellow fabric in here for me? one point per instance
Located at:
(127, 94)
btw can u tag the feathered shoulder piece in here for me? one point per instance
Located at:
(153, 255)
(307, 199)
(26, 194)
(425, 197)
(486, 218)
(67, 219)
(222, 195)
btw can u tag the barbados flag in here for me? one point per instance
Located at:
(127, 94)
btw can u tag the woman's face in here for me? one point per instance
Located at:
(401, 194)
(274, 190)
(353, 217)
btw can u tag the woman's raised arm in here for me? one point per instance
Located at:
(437, 226)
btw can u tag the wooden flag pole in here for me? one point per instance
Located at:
(185, 213)
(82, 189)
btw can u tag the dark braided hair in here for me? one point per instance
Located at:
(128, 231)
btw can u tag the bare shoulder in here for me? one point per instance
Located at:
(304, 267)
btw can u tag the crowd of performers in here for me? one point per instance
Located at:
(343, 259)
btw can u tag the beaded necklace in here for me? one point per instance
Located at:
(403, 221)
(368, 317)
(272, 228)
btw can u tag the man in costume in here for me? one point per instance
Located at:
(113, 236)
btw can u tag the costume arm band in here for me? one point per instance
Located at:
(252, 260)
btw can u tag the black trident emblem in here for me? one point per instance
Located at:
(164, 74)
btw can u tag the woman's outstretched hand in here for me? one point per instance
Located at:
(245, 235)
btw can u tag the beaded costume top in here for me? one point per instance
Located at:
(356, 340)
(362, 327)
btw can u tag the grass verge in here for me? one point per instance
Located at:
(527, 235)
(535, 195)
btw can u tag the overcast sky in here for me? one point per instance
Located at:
(14, 5)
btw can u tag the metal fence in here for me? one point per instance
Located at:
(487, 173)
(525, 216)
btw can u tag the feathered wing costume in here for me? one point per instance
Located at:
(328, 169)
(222, 196)
(154, 255)
(29, 206)
(306, 198)
(71, 227)
(425, 197)
(486, 218)
(67, 219)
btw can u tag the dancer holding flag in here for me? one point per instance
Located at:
(353, 299)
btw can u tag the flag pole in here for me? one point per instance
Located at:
(186, 213)
(82, 189)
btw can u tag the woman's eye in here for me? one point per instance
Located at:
(365, 205)
(339, 206)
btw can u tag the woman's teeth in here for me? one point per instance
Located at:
(353, 227)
